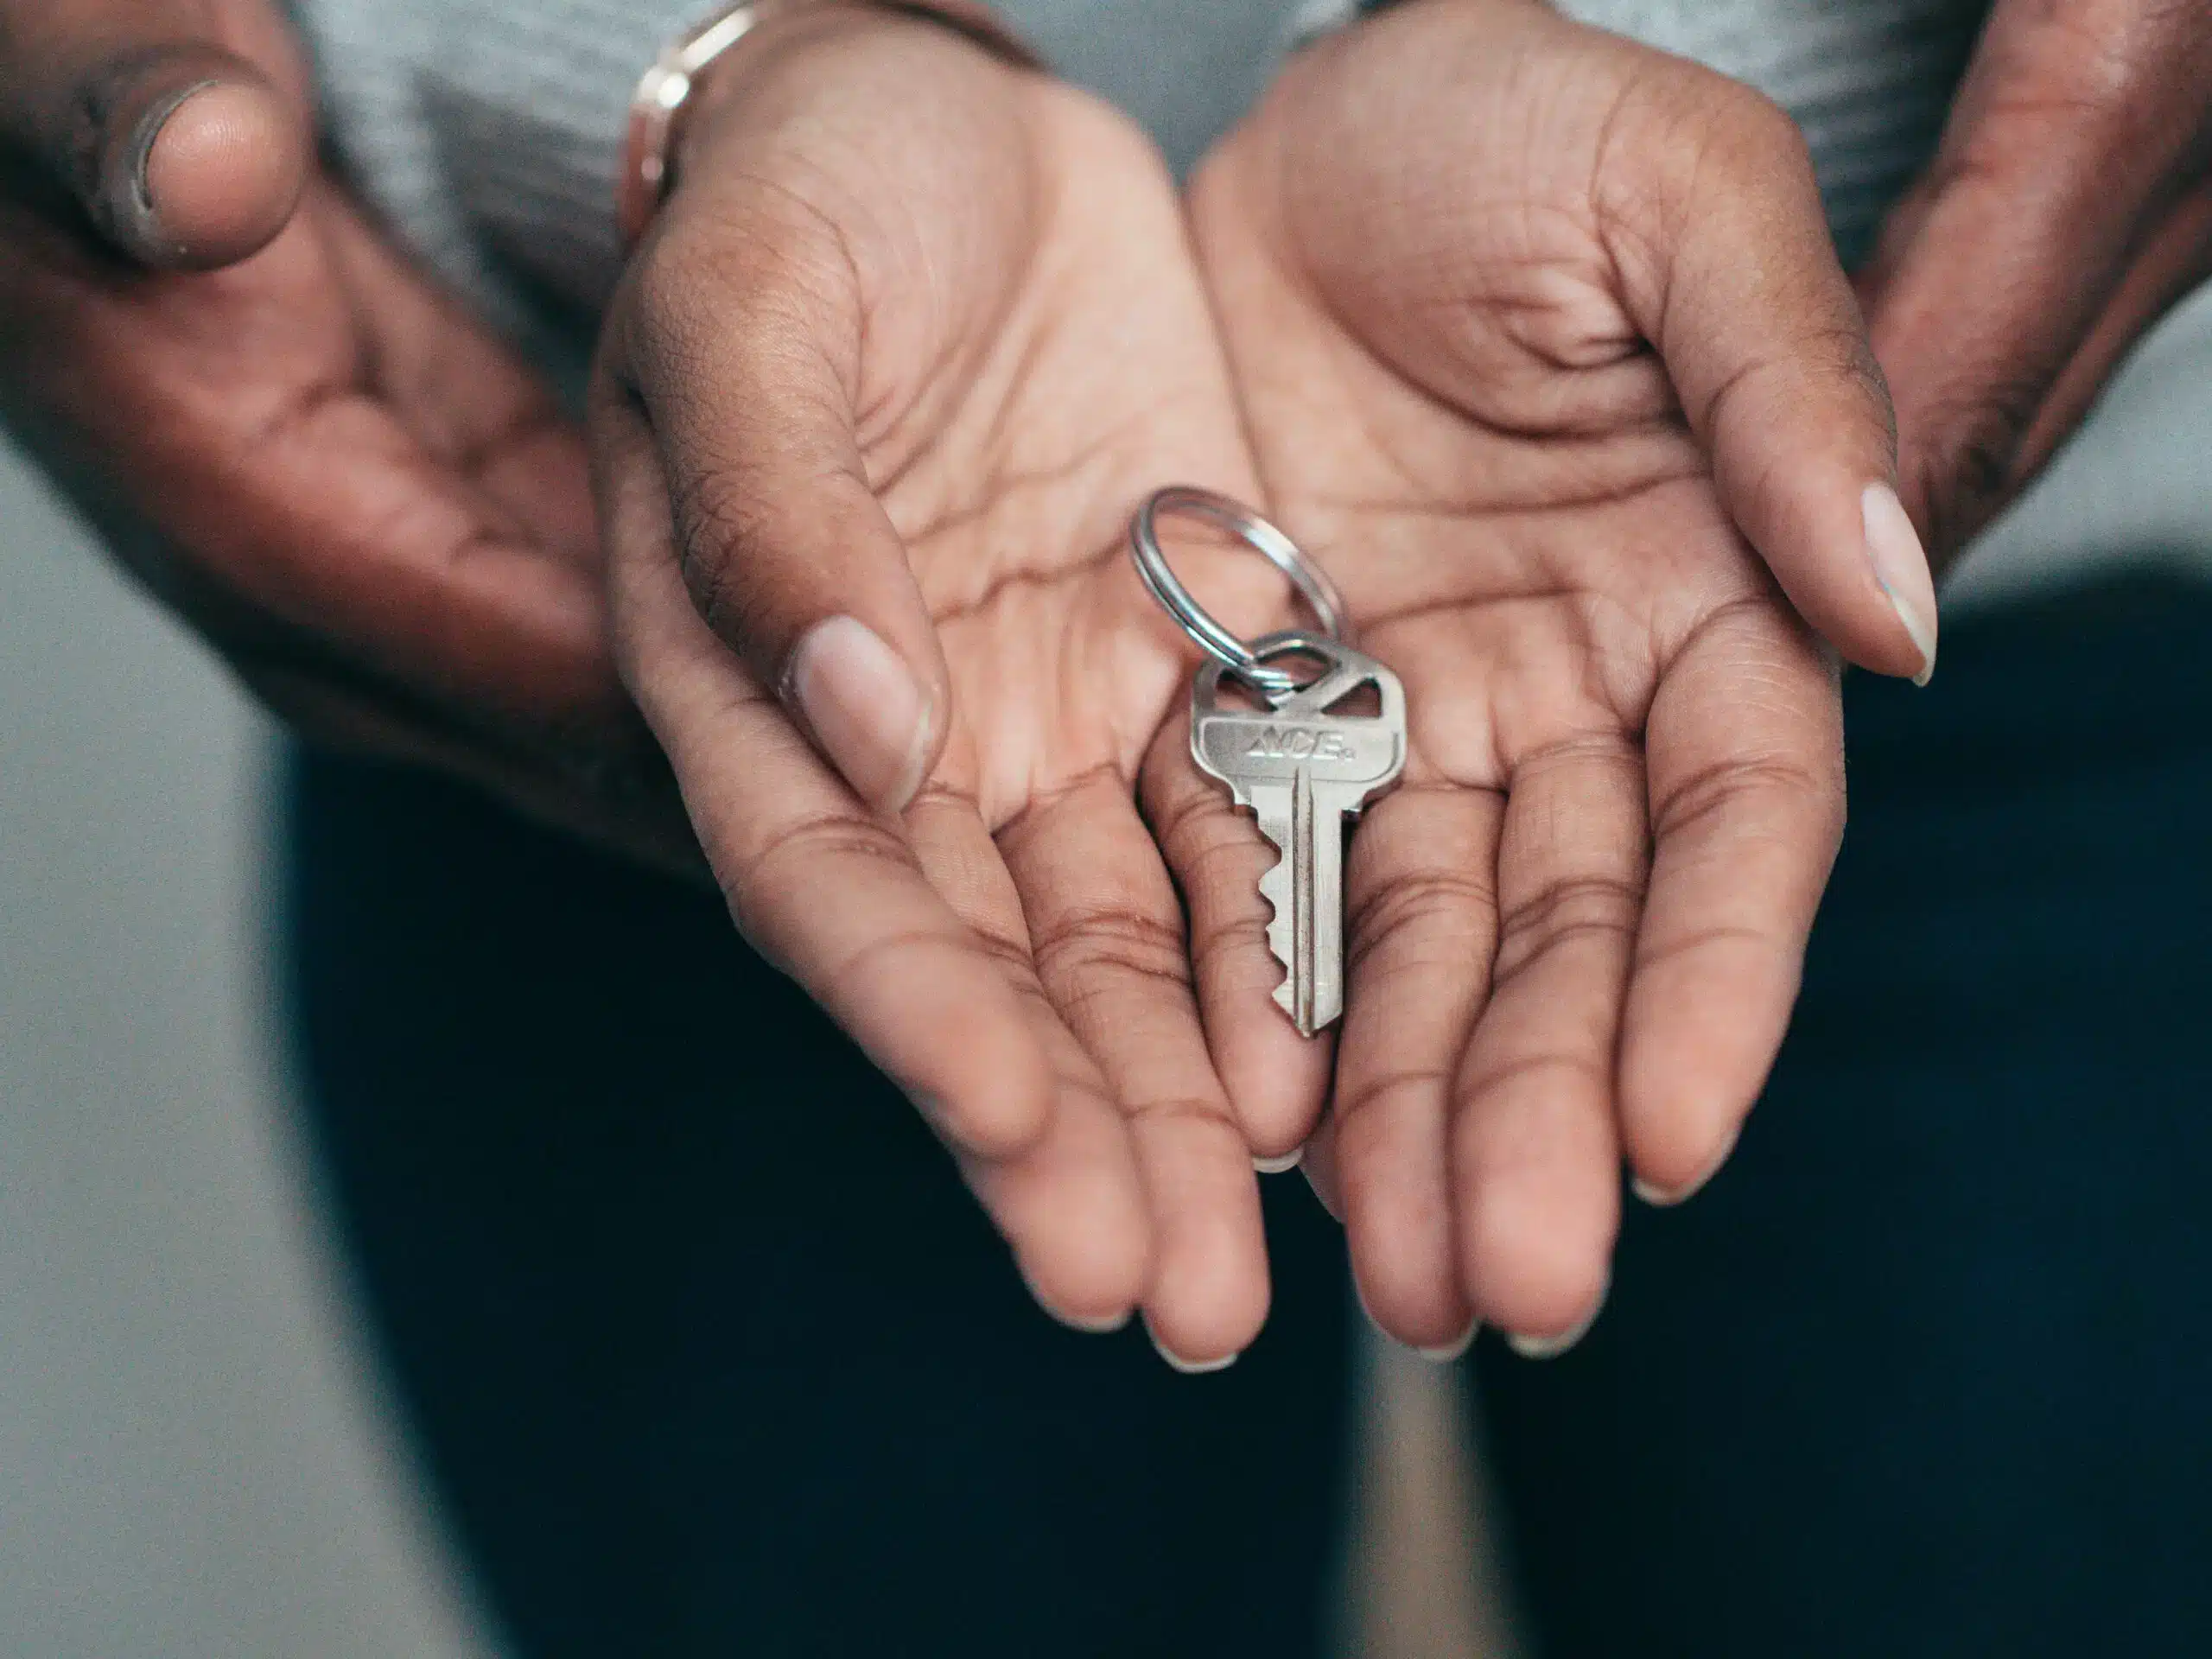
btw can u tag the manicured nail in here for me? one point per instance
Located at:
(1552, 1347)
(1188, 1367)
(1100, 1327)
(1666, 1198)
(1452, 1352)
(1090, 1325)
(1901, 566)
(1442, 1355)
(1288, 1162)
(865, 709)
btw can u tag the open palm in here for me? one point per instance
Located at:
(914, 331)
(1538, 345)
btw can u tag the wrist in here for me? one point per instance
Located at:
(701, 69)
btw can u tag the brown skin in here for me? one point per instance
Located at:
(341, 479)
(1545, 387)
(2068, 209)
(367, 505)
(922, 383)
(912, 333)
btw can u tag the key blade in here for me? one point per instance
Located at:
(1317, 887)
(1290, 932)
(1306, 887)
(1272, 805)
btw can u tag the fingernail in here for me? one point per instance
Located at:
(1452, 1352)
(865, 709)
(1100, 1327)
(1665, 1197)
(1188, 1367)
(127, 195)
(1442, 1355)
(1090, 1325)
(1552, 1347)
(1288, 1162)
(1901, 566)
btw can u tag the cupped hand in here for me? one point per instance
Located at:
(335, 474)
(1546, 355)
(2068, 207)
(914, 331)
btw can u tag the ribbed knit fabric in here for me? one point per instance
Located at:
(1870, 81)
(489, 130)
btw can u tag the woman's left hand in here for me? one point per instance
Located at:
(2069, 208)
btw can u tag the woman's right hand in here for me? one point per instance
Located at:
(914, 331)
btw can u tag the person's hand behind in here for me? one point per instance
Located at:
(1543, 347)
(913, 332)
(2070, 206)
(334, 474)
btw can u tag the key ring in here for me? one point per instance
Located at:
(1232, 653)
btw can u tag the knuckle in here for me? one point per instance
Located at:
(845, 983)
(1820, 354)
(1573, 1072)
(1723, 791)
(714, 507)
(1754, 126)
(1597, 909)
(668, 310)
(1182, 1111)
(832, 838)
(1728, 131)
(1451, 910)
(1355, 1106)
(1971, 465)
(743, 287)
(1105, 948)
(1710, 938)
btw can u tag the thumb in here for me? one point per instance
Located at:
(738, 349)
(151, 123)
(1733, 275)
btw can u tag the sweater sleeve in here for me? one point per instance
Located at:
(489, 131)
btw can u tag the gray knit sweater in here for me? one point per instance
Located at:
(488, 129)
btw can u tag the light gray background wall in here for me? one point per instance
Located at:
(195, 1462)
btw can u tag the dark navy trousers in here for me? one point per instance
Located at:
(710, 1353)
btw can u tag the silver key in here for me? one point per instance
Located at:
(1303, 771)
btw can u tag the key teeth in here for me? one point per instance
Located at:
(1274, 888)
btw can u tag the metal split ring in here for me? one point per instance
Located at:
(1232, 653)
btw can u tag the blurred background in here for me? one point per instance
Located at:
(197, 1456)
